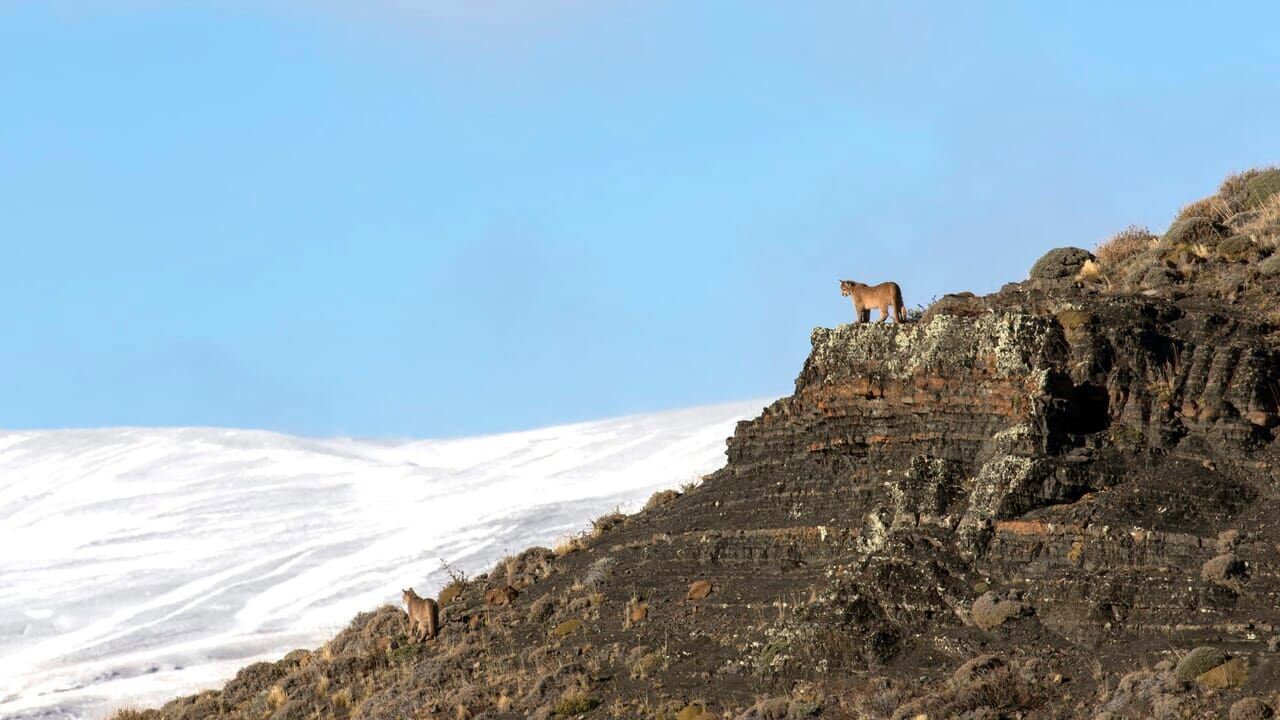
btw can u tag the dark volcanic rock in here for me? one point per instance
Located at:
(1082, 484)
(1060, 263)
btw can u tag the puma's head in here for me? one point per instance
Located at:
(846, 287)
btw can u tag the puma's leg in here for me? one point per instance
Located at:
(859, 313)
(899, 312)
(884, 313)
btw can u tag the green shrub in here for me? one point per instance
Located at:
(1260, 186)
(1194, 231)
(1236, 248)
(1198, 662)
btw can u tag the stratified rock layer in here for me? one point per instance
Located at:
(1054, 475)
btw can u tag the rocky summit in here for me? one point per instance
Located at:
(1055, 501)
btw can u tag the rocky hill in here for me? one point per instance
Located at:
(1055, 501)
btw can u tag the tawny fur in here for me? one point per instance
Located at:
(886, 296)
(424, 615)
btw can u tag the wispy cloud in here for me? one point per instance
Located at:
(484, 22)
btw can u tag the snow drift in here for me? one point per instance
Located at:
(138, 564)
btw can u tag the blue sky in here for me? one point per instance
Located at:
(425, 219)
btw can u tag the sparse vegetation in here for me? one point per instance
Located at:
(1122, 246)
(1047, 430)
(660, 498)
(608, 521)
(574, 704)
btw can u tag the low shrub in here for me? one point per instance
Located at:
(1124, 245)
(1198, 662)
(574, 703)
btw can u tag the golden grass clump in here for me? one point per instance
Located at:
(1089, 271)
(570, 544)
(1213, 207)
(1124, 245)
(276, 697)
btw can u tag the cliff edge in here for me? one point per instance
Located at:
(1055, 501)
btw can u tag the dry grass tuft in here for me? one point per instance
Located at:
(1090, 271)
(1124, 245)
(1212, 207)
(276, 697)
(574, 703)
(660, 498)
(570, 544)
(607, 522)
(341, 699)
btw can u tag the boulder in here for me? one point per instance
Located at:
(1060, 263)
(1195, 230)
(1250, 708)
(993, 610)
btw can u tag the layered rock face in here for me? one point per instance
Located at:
(1082, 452)
(1053, 501)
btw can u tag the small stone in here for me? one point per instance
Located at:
(639, 613)
(567, 627)
(1250, 708)
(1261, 418)
(977, 667)
(1230, 674)
(501, 596)
(699, 590)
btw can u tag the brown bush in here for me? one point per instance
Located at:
(607, 522)
(1212, 207)
(1225, 569)
(1124, 245)
(1248, 189)
(1005, 689)
(660, 498)
(133, 714)
(992, 610)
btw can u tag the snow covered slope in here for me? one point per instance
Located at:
(137, 564)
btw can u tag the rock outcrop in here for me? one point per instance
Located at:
(1077, 481)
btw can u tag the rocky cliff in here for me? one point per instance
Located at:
(1054, 501)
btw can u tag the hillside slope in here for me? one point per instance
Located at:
(141, 563)
(1055, 501)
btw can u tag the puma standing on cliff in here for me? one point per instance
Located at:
(885, 296)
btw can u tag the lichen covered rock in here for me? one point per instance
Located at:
(1060, 263)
